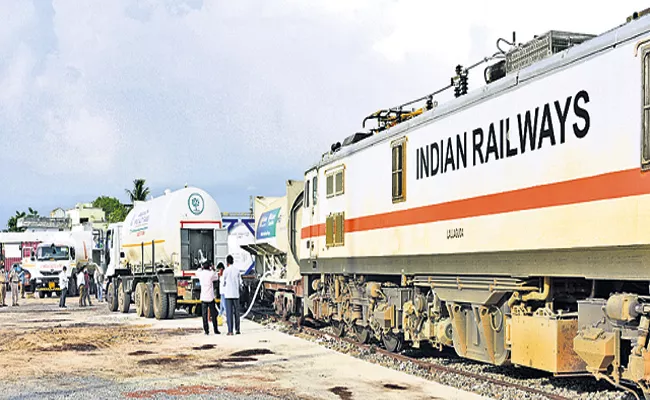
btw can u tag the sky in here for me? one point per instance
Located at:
(234, 97)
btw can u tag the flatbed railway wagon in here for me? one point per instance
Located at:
(510, 222)
(276, 249)
(153, 255)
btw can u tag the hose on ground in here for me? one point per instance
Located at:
(250, 306)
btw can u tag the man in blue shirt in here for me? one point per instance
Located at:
(23, 281)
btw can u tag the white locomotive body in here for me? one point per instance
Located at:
(546, 159)
(502, 222)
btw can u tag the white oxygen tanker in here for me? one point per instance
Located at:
(73, 250)
(177, 231)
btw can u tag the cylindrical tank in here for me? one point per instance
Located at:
(168, 221)
(240, 235)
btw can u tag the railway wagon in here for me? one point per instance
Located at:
(510, 222)
(276, 248)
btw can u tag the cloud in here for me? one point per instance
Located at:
(223, 94)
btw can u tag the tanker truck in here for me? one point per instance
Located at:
(71, 249)
(152, 256)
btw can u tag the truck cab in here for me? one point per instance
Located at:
(47, 262)
(113, 252)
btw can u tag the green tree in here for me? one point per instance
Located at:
(118, 215)
(115, 211)
(139, 192)
(12, 223)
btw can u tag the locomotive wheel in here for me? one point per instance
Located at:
(123, 299)
(393, 342)
(362, 334)
(147, 301)
(172, 306)
(111, 298)
(139, 290)
(339, 328)
(160, 302)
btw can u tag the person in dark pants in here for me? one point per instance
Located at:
(63, 284)
(87, 287)
(232, 283)
(207, 276)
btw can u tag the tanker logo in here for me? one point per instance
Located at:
(140, 222)
(196, 203)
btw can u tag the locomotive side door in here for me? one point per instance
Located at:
(310, 211)
(314, 213)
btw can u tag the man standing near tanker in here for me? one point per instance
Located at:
(207, 276)
(63, 284)
(232, 283)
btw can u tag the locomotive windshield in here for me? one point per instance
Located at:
(52, 253)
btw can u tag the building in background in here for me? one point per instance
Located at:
(58, 213)
(85, 213)
(34, 223)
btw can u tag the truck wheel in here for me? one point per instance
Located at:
(123, 299)
(111, 297)
(147, 301)
(160, 302)
(172, 306)
(139, 291)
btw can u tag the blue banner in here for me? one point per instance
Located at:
(266, 226)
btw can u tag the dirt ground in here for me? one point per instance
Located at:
(48, 352)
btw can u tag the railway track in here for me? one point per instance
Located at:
(518, 390)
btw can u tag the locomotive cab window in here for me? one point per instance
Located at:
(307, 193)
(335, 181)
(314, 184)
(645, 156)
(398, 149)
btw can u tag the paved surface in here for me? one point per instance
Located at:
(46, 352)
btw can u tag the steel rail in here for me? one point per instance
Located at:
(422, 364)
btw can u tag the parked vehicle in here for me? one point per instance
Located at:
(152, 256)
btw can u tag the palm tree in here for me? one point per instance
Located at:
(139, 192)
(12, 224)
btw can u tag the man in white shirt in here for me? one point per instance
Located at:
(81, 285)
(63, 284)
(232, 283)
(207, 276)
(222, 290)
